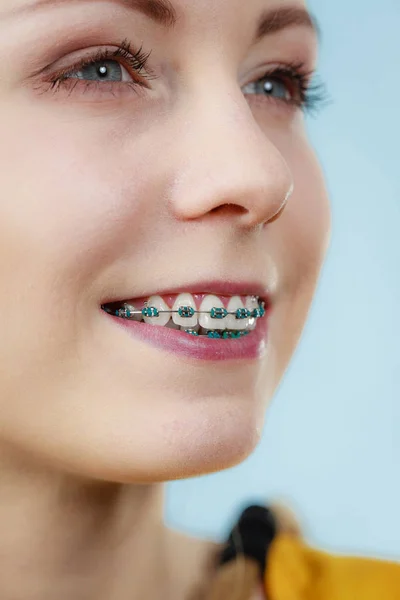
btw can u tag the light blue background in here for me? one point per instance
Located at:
(331, 445)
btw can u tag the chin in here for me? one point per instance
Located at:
(207, 442)
(218, 435)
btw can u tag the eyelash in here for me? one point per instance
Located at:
(305, 95)
(136, 59)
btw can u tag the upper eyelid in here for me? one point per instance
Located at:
(92, 56)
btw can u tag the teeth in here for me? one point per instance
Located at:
(186, 322)
(201, 322)
(233, 323)
(205, 320)
(251, 304)
(131, 307)
(163, 318)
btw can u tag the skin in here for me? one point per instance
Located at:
(102, 195)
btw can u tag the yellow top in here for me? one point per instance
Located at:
(295, 571)
(298, 572)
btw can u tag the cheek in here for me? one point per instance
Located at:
(297, 240)
(302, 234)
(64, 198)
(308, 219)
(58, 222)
(298, 243)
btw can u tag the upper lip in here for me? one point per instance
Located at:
(219, 287)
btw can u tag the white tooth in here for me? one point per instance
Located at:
(251, 303)
(185, 300)
(158, 303)
(132, 308)
(233, 323)
(205, 320)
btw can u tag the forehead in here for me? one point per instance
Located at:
(217, 12)
(263, 16)
(181, 7)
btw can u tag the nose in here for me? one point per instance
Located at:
(227, 163)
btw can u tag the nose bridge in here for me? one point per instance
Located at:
(227, 159)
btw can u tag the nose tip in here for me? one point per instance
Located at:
(231, 168)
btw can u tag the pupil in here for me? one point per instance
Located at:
(268, 87)
(103, 71)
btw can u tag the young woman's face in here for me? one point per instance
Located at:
(124, 178)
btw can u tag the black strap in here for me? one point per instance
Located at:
(251, 536)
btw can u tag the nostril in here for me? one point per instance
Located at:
(228, 209)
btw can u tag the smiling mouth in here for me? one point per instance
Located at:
(203, 315)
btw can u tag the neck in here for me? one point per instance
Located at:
(65, 538)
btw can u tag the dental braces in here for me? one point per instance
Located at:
(188, 311)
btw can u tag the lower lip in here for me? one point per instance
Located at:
(248, 347)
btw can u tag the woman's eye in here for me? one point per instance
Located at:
(106, 70)
(106, 75)
(291, 87)
(269, 86)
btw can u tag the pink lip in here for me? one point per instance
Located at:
(250, 347)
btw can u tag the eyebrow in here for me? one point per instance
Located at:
(160, 11)
(275, 20)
